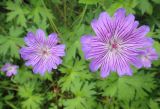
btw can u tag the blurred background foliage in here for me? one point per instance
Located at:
(72, 85)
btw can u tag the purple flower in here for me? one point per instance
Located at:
(148, 56)
(42, 53)
(117, 44)
(9, 69)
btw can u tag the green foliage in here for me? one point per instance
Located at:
(22, 13)
(72, 85)
(10, 44)
(128, 4)
(145, 6)
(89, 1)
(30, 100)
(75, 72)
(125, 88)
(156, 1)
(84, 97)
(157, 47)
(53, 106)
(153, 105)
(73, 41)
(17, 13)
(38, 12)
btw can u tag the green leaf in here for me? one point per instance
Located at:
(53, 106)
(153, 104)
(32, 102)
(23, 76)
(83, 97)
(74, 72)
(11, 104)
(89, 2)
(17, 12)
(145, 6)
(73, 43)
(71, 52)
(46, 76)
(26, 90)
(114, 7)
(27, 93)
(156, 1)
(129, 5)
(156, 45)
(125, 88)
(11, 43)
(9, 97)
(56, 1)
(137, 104)
(39, 13)
(83, 90)
(1, 105)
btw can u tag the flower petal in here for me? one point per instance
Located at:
(40, 36)
(119, 18)
(95, 65)
(58, 50)
(105, 70)
(125, 29)
(86, 42)
(103, 26)
(30, 39)
(52, 39)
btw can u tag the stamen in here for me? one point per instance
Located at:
(114, 46)
(45, 52)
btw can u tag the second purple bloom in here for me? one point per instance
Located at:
(42, 53)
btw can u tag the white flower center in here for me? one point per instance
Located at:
(45, 51)
(146, 57)
(114, 45)
(10, 68)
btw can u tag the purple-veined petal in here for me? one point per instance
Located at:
(40, 36)
(52, 39)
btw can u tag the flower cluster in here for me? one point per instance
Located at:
(118, 43)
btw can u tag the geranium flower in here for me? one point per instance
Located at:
(41, 52)
(118, 43)
(9, 69)
(148, 56)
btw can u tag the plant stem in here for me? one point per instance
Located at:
(81, 16)
(65, 9)
(10, 104)
(50, 19)
(8, 88)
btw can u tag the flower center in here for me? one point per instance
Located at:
(10, 68)
(45, 52)
(113, 45)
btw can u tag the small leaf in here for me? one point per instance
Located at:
(89, 2)
(83, 97)
(17, 13)
(12, 42)
(156, 45)
(153, 104)
(125, 88)
(145, 6)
